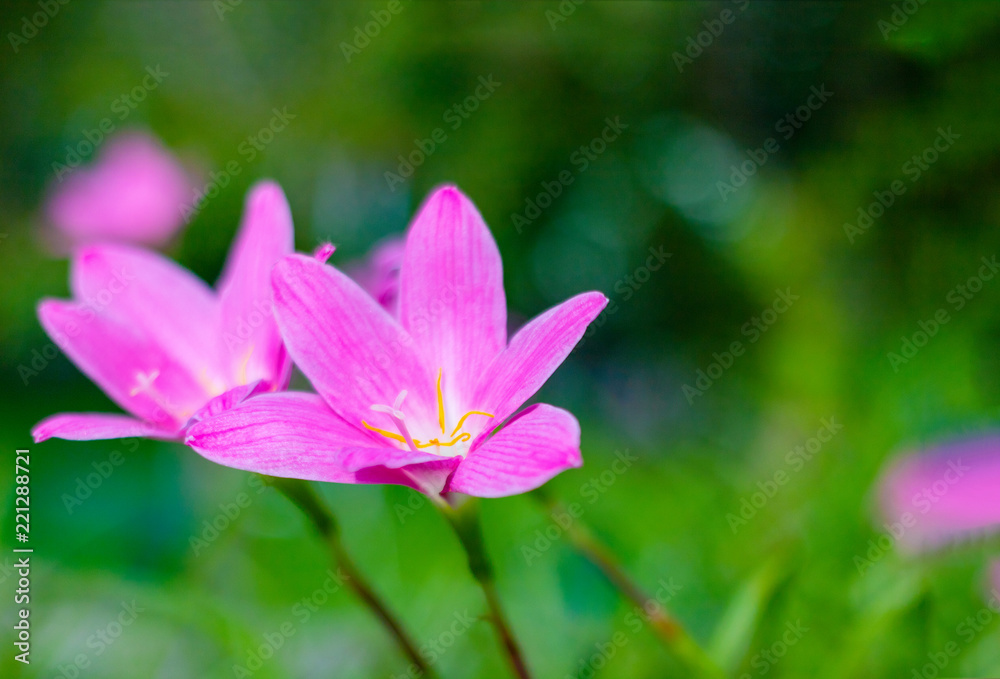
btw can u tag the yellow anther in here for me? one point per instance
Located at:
(462, 420)
(441, 402)
(435, 442)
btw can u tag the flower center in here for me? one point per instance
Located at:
(402, 434)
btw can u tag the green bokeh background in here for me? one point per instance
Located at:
(794, 562)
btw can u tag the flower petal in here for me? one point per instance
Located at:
(537, 444)
(288, 434)
(134, 193)
(160, 300)
(251, 345)
(533, 355)
(351, 350)
(136, 373)
(356, 459)
(378, 272)
(945, 495)
(97, 426)
(230, 399)
(451, 292)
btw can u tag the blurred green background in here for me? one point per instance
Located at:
(803, 558)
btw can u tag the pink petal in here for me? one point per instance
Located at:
(378, 274)
(289, 434)
(451, 292)
(350, 349)
(135, 372)
(951, 493)
(356, 459)
(96, 426)
(537, 444)
(230, 399)
(533, 355)
(251, 346)
(158, 299)
(133, 192)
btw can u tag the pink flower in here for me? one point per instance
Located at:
(162, 344)
(417, 401)
(378, 274)
(132, 194)
(945, 495)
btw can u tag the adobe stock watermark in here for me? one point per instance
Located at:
(565, 11)
(590, 492)
(636, 619)
(580, 159)
(921, 502)
(454, 116)
(795, 461)
(766, 658)
(913, 169)
(786, 127)
(224, 7)
(248, 150)
(433, 649)
(363, 36)
(302, 612)
(101, 640)
(87, 485)
(385, 356)
(967, 631)
(123, 105)
(901, 13)
(753, 329)
(36, 22)
(696, 45)
(626, 287)
(87, 310)
(229, 512)
(956, 298)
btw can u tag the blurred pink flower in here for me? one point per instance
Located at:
(378, 273)
(132, 193)
(947, 494)
(416, 401)
(161, 343)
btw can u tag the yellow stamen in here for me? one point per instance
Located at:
(462, 420)
(383, 432)
(441, 402)
(435, 442)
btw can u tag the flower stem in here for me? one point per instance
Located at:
(464, 518)
(670, 630)
(303, 496)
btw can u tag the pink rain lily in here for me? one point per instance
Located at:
(947, 494)
(133, 193)
(161, 343)
(417, 401)
(378, 274)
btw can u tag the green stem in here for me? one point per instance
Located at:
(468, 527)
(670, 630)
(303, 496)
